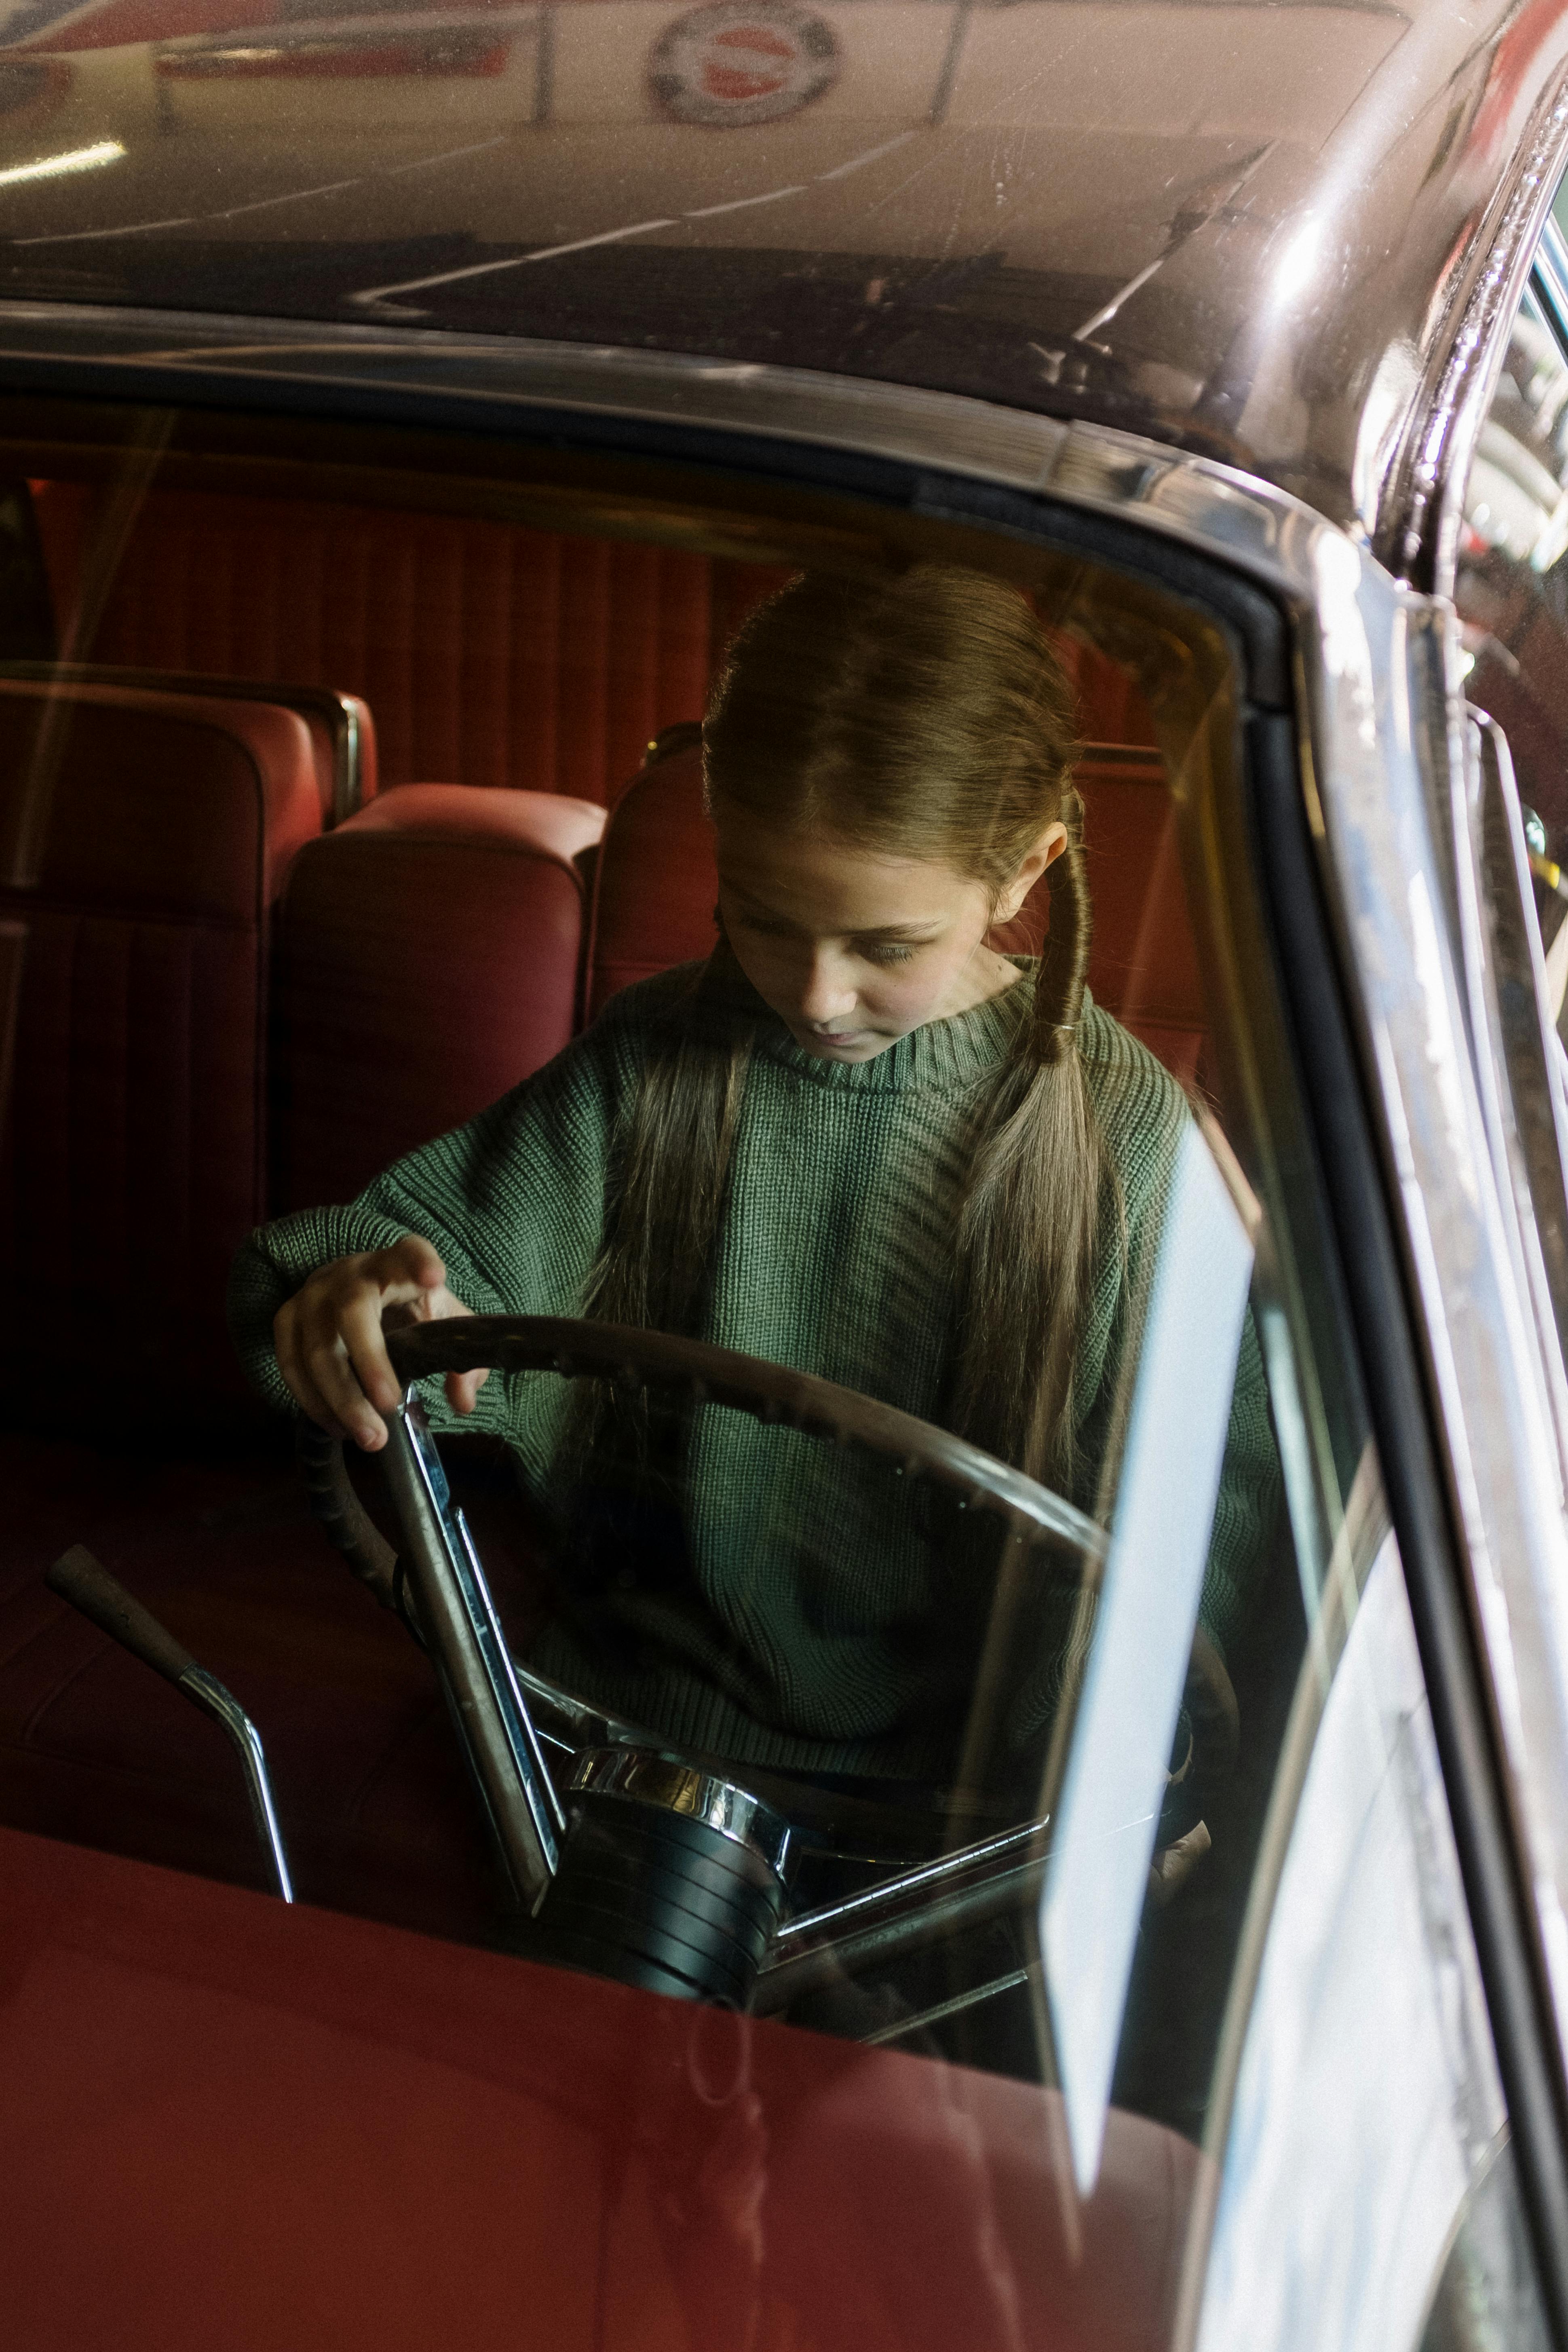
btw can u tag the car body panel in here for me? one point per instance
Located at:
(1272, 269)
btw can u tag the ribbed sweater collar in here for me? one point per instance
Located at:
(943, 1056)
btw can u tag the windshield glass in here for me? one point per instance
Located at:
(795, 972)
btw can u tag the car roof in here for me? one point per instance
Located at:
(1249, 230)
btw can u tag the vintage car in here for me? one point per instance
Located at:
(402, 408)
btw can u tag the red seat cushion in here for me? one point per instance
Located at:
(655, 884)
(143, 838)
(430, 961)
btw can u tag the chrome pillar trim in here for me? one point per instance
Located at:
(643, 1777)
(458, 1619)
(211, 1696)
(1496, 1051)
(1440, 459)
(1377, 777)
(1532, 1055)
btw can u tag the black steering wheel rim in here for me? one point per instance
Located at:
(776, 1394)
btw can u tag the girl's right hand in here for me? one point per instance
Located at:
(328, 1338)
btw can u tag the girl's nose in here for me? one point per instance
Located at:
(827, 994)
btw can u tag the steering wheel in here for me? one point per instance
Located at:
(774, 1394)
(641, 1911)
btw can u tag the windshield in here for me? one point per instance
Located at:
(808, 1004)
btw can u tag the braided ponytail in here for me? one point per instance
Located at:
(1031, 1208)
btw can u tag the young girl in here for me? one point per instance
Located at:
(856, 1140)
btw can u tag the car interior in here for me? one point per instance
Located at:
(342, 782)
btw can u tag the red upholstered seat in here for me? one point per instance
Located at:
(430, 961)
(655, 886)
(343, 732)
(143, 839)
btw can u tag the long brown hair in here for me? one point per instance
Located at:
(924, 717)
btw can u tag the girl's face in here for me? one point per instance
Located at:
(853, 951)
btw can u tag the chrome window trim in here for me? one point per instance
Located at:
(496, 381)
(1424, 528)
(1549, 270)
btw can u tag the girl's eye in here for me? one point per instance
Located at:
(886, 953)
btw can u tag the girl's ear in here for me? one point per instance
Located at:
(1045, 852)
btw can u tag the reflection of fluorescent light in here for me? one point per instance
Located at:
(78, 159)
(1294, 268)
(1114, 1785)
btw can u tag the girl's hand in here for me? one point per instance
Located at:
(328, 1338)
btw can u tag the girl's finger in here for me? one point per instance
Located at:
(463, 1389)
(286, 1348)
(299, 1383)
(357, 1329)
(327, 1364)
(412, 1259)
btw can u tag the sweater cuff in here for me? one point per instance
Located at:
(275, 1262)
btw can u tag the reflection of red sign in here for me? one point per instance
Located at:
(735, 64)
(344, 58)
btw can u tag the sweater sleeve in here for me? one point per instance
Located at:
(513, 1203)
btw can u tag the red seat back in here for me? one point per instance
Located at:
(343, 732)
(654, 882)
(430, 950)
(655, 886)
(1143, 963)
(489, 652)
(143, 839)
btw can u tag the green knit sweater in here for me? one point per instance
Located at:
(813, 1608)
